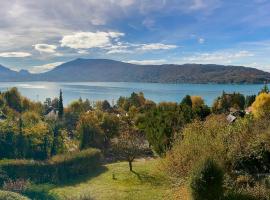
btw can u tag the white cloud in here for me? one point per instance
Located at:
(147, 62)
(220, 57)
(87, 40)
(44, 68)
(82, 51)
(45, 48)
(197, 5)
(156, 46)
(201, 40)
(15, 54)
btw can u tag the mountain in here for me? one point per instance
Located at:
(115, 71)
(111, 71)
(7, 74)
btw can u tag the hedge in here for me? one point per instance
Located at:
(5, 195)
(59, 168)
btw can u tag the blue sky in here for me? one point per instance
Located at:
(38, 35)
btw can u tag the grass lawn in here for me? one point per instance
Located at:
(117, 182)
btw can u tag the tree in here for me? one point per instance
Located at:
(106, 106)
(13, 99)
(197, 101)
(249, 100)
(60, 106)
(110, 127)
(261, 106)
(90, 133)
(265, 89)
(162, 123)
(207, 181)
(226, 101)
(187, 101)
(20, 142)
(130, 143)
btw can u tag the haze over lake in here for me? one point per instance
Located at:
(111, 91)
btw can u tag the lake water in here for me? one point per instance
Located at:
(111, 91)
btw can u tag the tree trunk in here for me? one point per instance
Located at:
(130, 165)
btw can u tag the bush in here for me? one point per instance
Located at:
(57, 169)
(207, 181)
(257, 192)
(18, 185)
(5, 195)
(40, 192)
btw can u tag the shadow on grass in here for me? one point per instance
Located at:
(84, 177)
(42, 191)
(147, 178)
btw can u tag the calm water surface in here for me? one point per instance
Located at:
(111, 91)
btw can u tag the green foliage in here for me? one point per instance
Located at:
(207, 181)
(73, 112)
(249, 100)
(163, 122)
(187, 101)
(89, 131)
(60, 106)
(13, 99)
(265, 89)
(199, 140)
(59, 168)
(96, 128)
(226, 101)
(5, 195)
(3, 177)
(136, 100)
(40, 192)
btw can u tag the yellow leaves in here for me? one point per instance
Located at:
(197, 101)
(261, 106)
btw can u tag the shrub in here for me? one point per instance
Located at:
(40, 192)
(257, 192)
(200, 141)
(5, 195)
(207, 181)
(18, 185)
(57, 169)
(3, 177)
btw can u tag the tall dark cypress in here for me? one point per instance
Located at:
(60, 106)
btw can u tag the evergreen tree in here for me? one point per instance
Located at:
(187, 101)
(21, 143)
(265, 89)
(60, 106)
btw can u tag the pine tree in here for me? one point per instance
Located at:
(187, 101)
(265, 89)
(60, 106)
(21, 143)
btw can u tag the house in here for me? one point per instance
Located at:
(231, 118)
(234, 114)
(53, 114)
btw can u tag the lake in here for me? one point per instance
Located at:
(111, 91)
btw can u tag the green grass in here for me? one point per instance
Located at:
(146, 182)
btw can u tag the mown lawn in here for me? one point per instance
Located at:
(116, 182)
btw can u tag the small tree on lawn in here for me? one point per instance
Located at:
(129, 146)
(130, 143)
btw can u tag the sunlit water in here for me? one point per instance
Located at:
(111, 91)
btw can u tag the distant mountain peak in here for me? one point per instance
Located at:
(24, 72)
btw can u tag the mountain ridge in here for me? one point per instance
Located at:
(106, 70)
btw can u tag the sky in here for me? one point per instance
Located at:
(38, 35)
